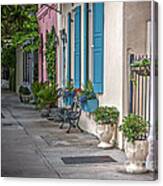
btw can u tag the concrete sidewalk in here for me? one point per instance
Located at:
(34, 147)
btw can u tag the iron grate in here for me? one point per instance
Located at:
(87, 159)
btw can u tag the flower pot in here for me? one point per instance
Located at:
(142, 71)
(136, 153)
(44, 113)
(25, 98)
(90, 105)
(105, 132)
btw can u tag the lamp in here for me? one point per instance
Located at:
(56, 40)
(63, 36)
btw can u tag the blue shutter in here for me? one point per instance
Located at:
(69, 47)
(85, 43)
(98, 39)
(77, 51)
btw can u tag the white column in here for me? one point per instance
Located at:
(148, 44)
(151, 159)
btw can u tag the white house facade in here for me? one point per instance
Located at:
(100, 37)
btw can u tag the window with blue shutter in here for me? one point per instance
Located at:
(98, 52)
(77, 49)
(69, 47)
(85, 43)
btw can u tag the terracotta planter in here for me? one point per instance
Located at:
(136, 153)
(105, 132)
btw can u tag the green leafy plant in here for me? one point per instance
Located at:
(141, 63)
(51, 49)
(133, 127)
(24, 90)
(69, 86)
(47, 96)
(19, 24)
(106, 115)
(88, 91)
(8, 59)
(36, 87)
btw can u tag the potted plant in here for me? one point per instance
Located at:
(24, 94)
(68, 93)
(88, 99)
(141, 67)
(106, 118)
(36, 87)
(135, 130)
(47, 98)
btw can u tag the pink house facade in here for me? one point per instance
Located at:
(47, 17)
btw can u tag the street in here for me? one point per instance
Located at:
(35, 147)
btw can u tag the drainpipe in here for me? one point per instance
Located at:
(151, 158)
(63, 64)
(32, 64)
(59, 25)
(63, 36)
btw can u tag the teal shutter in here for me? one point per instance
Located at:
(85, 42)
(69, 47)
(77, 51)
(98, 53)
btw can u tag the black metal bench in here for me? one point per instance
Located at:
(70, 115)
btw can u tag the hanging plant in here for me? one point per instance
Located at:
(141, 67)
(51, 52)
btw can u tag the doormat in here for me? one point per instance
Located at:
(87, 159)
(7, 124)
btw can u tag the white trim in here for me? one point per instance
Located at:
(151, 159)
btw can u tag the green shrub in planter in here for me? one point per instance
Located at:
(141, 63)
(36, 87)
(47, 96)
(106, 118)
(69, 86)
(88, 91)
(24, 90)
(106, 115)
(133, 127)
(87, 98)
(24, 94)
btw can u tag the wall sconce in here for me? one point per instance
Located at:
(63, 35)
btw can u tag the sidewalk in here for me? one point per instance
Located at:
(34, 147)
